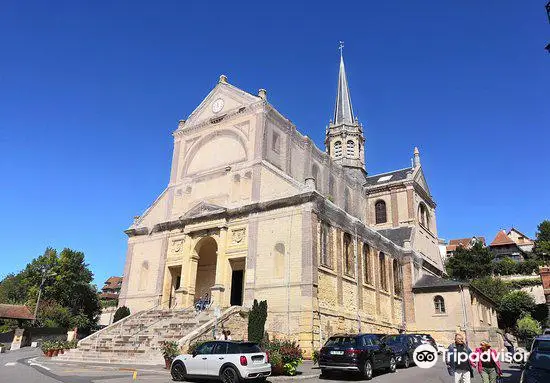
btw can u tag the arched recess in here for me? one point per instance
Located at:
(380, 212)
(279, 260)
(143, 275)
(207, 251)
(215, 150)
(423, 215)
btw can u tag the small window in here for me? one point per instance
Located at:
(324, 245)
(276, 142)
(367, 264)
(338, 149)
(349, 256)
(439, 304)
(350, 148)
(380, 212)
(423, 215)
(383, 274)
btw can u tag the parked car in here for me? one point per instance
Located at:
(537, 368)
(230, 362)
(403, 346)
(356, 353)
(426, 339)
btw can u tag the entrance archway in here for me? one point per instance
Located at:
(207, 250)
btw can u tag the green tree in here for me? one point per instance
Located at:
(540, 313)
(494, 288)
(120, 313)
(256, 321)
(541, 249)
(513, 306)
(467, 264)
(69, 287)
(528, 327)
(506, 266)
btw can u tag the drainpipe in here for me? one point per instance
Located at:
(464, 314)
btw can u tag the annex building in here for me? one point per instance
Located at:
(255, 210)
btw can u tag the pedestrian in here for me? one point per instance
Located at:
(221, 336)
(487, 363)
(509, 342)
(228, 335)
(458, 361)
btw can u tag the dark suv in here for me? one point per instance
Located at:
(537, 368)
(403, 346)
(362, 353)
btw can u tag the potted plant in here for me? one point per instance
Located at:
(46, 348)
(2, 348)
(169, 351)
(276, 361)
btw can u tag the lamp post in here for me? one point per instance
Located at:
(45, 274)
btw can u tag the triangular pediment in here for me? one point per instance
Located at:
(420, 179)
(203, 209)
(221, 100)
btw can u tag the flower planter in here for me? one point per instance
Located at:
(55, 352)
(167, 363)
(277, 369)
(49, 353)
(61, 351)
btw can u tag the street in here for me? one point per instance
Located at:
(28, 366)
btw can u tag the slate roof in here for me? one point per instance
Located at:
(398, 235)
(502, 239)
(15, 312)
(384, 178)
(430, 281)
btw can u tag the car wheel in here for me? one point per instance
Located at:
(367, 370)
(178, 372)
(393, 364)
(229, 375)
(406, 361)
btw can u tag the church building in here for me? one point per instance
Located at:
(255, 210)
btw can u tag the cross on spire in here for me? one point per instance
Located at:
(341, 48)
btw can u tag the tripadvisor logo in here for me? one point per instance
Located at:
(425, 356)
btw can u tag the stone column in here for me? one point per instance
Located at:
(218, 290)
(408, 296)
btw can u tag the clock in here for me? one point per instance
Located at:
(217, 105)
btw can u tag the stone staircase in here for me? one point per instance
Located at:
(137, 338)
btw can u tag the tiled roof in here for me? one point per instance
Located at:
(464, 242)
(398, 235)
(113, 283)
(502, 239)
(396, 175)
(15, 312)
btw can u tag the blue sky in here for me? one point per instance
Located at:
(90, 92)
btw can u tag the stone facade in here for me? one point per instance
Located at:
(254, 210)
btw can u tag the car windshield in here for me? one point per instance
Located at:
(393, 339)
(345, 341)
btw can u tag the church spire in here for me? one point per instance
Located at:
(343, 112)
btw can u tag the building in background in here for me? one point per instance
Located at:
(465, 243)
(111, 289)
(504, 247)
(524, 243)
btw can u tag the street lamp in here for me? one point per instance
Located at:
(45, 274)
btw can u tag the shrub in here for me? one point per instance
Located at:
(290, 352)
(72, 344)
(528, 327)
(121, 312)
(275, 358)
(506, 266)
(169, 350)
(315, 356)
(256, 321)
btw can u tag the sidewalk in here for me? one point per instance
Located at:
(305, 371)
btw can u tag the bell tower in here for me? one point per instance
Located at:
(344, 140)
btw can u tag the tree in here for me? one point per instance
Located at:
(541, 249)
(528, 327)
(513, 306)
(467, 264)
(506, 266)
(540, 313)
(120, 313)
(256, 321)
(494, 288)
(70, 288)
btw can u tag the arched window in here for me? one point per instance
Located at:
(380, 212)
(423, 215)
(382, 268)
(324, 245)
(338, 149)
(279, 260)
(143, 276)
(350, 148)
(349, 256)
(439, 304)
(367, 267)
(397, 278)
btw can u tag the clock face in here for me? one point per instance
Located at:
(217, 105)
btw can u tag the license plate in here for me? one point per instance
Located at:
(337, 353)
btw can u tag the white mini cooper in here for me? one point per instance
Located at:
(230, 362)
